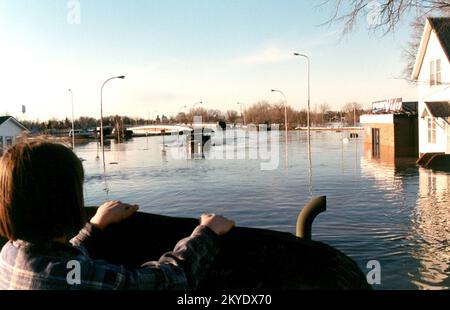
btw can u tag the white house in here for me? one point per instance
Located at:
(10, 128)
(432, 73)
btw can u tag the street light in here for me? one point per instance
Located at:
(308, 122)
(285, 113)
(309, 88)
(180, 110)
(240, 106)
(73, 124)
(193, 110)
(199, 102)
(101, 115)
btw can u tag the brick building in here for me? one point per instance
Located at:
(391, 131)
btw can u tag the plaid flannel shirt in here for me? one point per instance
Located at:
(47, 266)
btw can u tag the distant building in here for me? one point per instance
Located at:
(10, 128)
(391, 131)
(432, 72)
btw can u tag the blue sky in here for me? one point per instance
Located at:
(175, 53)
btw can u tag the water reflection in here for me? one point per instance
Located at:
(381, 209)
(428, 236)
(431, 229)
(310, 166)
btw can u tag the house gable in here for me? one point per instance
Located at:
(5, 119)
(440, 27)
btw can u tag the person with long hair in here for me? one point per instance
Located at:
(42, 217)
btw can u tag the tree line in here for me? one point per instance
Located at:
(261, 112)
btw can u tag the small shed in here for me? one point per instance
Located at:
(391, 130)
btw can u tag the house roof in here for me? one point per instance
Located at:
(441, 26)
(439, 109)
(4, 119)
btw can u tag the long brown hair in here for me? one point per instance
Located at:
(41, 192)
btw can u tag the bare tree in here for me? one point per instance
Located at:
(259, 113)
(232, 115)
(351, 112)
(300, 117)
(213, 115)
(181, 118)
(383, 14)
(323, 108)
(265, 113)
(199, 111)
(409, 52)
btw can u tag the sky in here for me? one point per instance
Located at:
(175, 53)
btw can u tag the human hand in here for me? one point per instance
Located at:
(112, 212)
(217, 223)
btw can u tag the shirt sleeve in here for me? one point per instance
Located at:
(182, 268)
(87, 234)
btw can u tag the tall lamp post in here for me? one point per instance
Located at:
(309, 93)
(308, 122)
(285, 113)
(199, 102)
(73, 123)
(193, 110)
(101, 115)
(181, 110)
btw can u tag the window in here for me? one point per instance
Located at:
(438, 71)
(431, 131)
(432, 73)
(435, 72)
(1, 142)
(9, 141)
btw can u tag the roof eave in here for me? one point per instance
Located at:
(422, 50)
(17, 123)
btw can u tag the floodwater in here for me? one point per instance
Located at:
(397, 214)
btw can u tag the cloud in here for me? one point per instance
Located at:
(331, 37)
(268, 55)
(272, 54)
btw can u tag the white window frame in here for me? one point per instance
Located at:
(438, 72)
(431, 130)
(432, 73)
(7, 139)
(435, 72)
